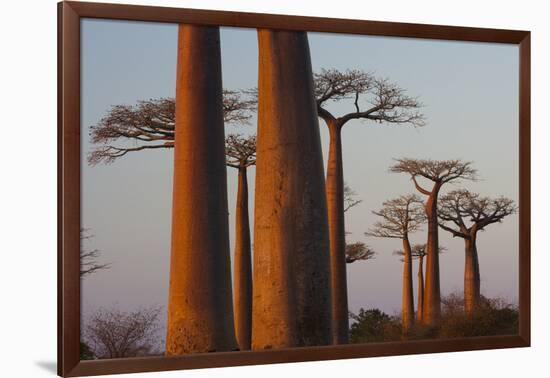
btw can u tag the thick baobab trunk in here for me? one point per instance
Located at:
(291, 292)
(200, 311)
(407, 309)
(472, 294)
(337, 232)
(432, 294)
(243, 266)
(420, 305)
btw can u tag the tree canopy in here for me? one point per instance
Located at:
(462, 211)
(373, 98)
(438, 171)
(151, 124)
(358, 251)
(400, 216)
(418, 251)
(240, 151)
(89, 257)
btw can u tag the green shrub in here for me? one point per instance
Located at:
(374, 326)
(494, 317)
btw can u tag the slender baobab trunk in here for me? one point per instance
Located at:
(420, 305)
(243, 266)
(472, 294)
(337, 232)
(291, 292)
(407, 309)
(200, 311)
(432, 294)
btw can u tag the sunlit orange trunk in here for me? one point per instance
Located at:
(337, 232)
(432, 293)
(291, 292)
(407, 305)
(200, 310)
(242, 266)
(472, 284)
(420, 304)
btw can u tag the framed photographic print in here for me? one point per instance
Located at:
(239, 188)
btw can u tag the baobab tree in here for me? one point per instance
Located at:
(152, 125)
(399, 218)
(200, 298)
(418, 252)
(439, 173)
(373, 99)
(464, 214)
(89, 257)
(358, 251)
(240, 152)
(291, 291)
(112, 333)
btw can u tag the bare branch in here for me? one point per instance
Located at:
(89, 257)
(349, 198)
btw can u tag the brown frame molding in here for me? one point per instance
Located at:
(69, 14)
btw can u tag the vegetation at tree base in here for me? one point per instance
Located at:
(112, 333)
(374, 326)
(85, 352)
(495, 316)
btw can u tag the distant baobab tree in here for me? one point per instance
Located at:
(439, 173)
(151, 124)
(418, 252)
(372, 99)
(399, 218)
(464, 214)
(89, 257)
(358, 251)
(240, 152)
(112, 333)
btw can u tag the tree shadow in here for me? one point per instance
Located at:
(50, 366)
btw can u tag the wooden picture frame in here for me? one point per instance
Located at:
(69, 15)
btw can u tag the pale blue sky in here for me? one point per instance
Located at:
(470, 92)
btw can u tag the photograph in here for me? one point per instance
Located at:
(249, 189)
